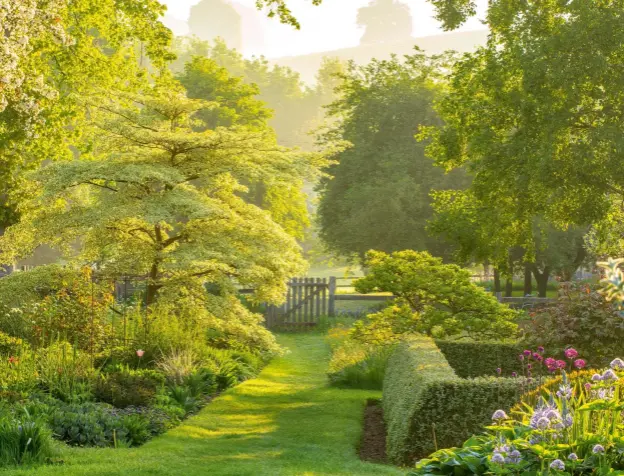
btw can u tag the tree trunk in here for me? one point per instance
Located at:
(528, 280)
(497, 282)
(542, 279)
(508, 287)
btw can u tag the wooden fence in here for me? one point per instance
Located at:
(308, 299)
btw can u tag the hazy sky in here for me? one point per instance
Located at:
(324, 28)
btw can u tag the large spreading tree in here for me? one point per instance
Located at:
(536, 115)
(154, 193)
(377, 195)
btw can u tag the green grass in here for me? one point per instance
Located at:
(288, 421)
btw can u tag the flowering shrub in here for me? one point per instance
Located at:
(570, 425)
(581, 317)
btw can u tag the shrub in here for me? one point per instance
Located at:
(124, 387)
(570, 425)
(427, 406)
(85, 425)
(136, 429)
(18, 374)
(480, 359)
(24, 441)
(433, 298)
(11, 346)
(178, 364)
(65, 372)
(582, 318)
(357, 365)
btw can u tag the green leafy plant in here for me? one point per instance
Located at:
(570, 425)
(426, 406)
(24, 441)
(433, 298)
(125, 387)
(581, 317)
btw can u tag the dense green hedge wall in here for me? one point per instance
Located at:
(422, 396)
(481, 359)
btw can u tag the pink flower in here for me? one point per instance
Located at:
(561, 364)
(571, 353)
(527, 353)
(580, 364)
(540, 349)
(140, 353)
(588, 386)
(550, 362)
(538, 357)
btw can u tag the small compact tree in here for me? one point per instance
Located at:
(433, 298)
(152, 196)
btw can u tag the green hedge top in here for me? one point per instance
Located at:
(480, 359)
(428, 407)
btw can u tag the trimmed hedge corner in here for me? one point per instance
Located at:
(481, 359)
(428, 407)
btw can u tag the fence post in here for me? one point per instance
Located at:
(331, 308)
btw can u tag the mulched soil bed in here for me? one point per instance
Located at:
(373, 443)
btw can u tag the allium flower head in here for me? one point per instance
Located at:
(557, 465)
(514, 457)
(609, 375)
(571, 353)
(598, 449)
(596, 377)
(540, 349)
(499, 371)
(499, 415)
(617, 364)
(573, 457)
(543, 423)
(538, 357)
(527, 353)
(498, 458)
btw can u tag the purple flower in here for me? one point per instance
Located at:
(571, 353)
(538, 357)
(540, 349)
(598, 449)
(543, 423)
(580, 363)
(573, 457)
(514, 457)
(527, 353)
(498, 458)
(500, 415)
(529, 366)
(609, 375)
(557, 465)
(596, 377)
(521, 357)
(499, 371)
(617, 364)
(588, 386)
(514, 374)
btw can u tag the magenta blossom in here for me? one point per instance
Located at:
(588, 386)
(521, 357)
(514, 374)
(571, 353)
(561, 364)
(580, 363)
(538, 357)
(540, 349)
(529, 366)
(499, 371)
(527, 353)
(550, 362)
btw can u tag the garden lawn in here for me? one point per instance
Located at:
(288, 421)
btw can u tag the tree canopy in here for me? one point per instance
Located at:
(150, 195)
(385, 21)
(210, 19)
(377, 193)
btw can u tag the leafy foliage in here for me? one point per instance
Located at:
(480, 359)
(581, 318)
(433, 298)
(376, 195)
(426, 406)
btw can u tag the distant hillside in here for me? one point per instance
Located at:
(308, 65)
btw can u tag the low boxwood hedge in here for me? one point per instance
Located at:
(481, 359)
(428, 407)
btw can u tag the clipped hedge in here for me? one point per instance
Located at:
(428, 407)
(480, 359)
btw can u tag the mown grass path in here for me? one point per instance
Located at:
(288, 421)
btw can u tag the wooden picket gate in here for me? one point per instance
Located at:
(307, 299)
